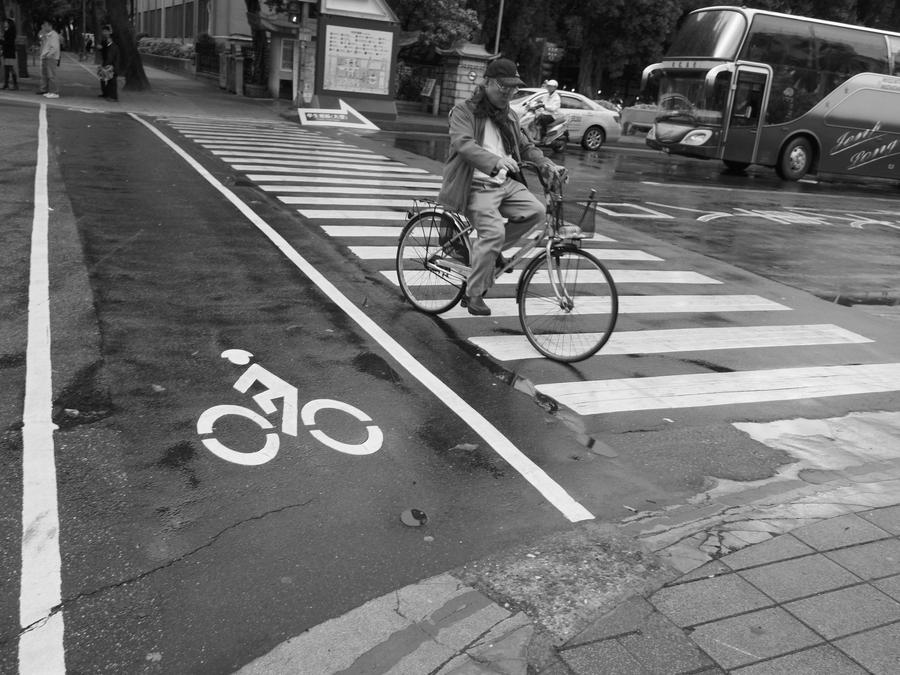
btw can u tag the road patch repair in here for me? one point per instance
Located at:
(620, 595)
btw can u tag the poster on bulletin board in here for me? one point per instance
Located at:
(357, 60)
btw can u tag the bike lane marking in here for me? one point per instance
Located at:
(550, 489)
(41, 649)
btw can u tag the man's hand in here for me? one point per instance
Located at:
(507, 163)
(552, 174)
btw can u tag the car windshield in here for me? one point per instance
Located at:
(522, 93)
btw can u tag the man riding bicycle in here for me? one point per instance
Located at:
(482, 176)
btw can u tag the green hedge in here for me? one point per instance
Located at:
(161, 47)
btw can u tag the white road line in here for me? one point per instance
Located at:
(352, 230)
(515, 347)
(392, 232)
(41, 650)
(301, 168)
(337, 163)
(390, 253)
(402, 190)
(287, 153)
(710, 389)
(345, 201)
(619, 276)
(431, 182)
(550, 489)
(644, 304)
(399, 217)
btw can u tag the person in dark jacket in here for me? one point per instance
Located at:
(9, 54)
(109, 59)
(486, 148)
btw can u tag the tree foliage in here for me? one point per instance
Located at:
(440, 22)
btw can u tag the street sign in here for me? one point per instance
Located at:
(344, 116)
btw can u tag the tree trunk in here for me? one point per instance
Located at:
(258, 70)
(129, 57)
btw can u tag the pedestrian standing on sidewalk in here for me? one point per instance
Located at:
(9, 54)
(49, 60)
(109, 55)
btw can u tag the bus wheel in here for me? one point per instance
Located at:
(796, 159)
(736, 167)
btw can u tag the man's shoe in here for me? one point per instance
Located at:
(51, 95)
(40, 93)
(501, 263)
(477, 306)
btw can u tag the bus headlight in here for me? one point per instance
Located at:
(696, 137)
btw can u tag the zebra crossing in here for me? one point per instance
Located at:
(360, 198)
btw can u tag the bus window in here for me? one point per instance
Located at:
(748, 100)
(857, 111)
(894, 43)
(709, 34)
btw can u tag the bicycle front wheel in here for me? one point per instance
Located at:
(568, 304)
(432, 262)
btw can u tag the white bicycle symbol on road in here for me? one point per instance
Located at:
(276, 388)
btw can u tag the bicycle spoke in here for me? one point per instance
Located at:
(572, 317)
(430, 285)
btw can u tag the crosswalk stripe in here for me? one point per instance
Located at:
(342, 171)
(358, 179)
(619, 276)
(402, 190)
(390, 253)
(597, 397)
(399, 217)
(366, 230)
(515, 347)
(345, 201)
(303, 160)
(642, 304)
(292, 153)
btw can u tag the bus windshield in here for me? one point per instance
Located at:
(713, 34)
(683, 93)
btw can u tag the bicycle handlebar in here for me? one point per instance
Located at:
(558, 181)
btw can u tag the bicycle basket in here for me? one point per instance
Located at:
(580, 212)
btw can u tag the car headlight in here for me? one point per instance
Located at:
(652, 133)
(696, 137)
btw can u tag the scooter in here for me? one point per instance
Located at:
(557, 135)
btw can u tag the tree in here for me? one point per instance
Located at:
(129, 56)
(612, 35)
(440, 22)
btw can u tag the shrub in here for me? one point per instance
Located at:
(162, 47)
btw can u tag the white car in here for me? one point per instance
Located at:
(590, 123)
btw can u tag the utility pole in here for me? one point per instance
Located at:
(499, 24)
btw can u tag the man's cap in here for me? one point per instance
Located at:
(505, 72)
(552, 83)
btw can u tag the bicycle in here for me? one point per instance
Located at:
(567, 300)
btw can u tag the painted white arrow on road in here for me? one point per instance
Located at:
(345, 116)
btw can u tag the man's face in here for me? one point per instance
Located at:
(45, 26)
(499, 94)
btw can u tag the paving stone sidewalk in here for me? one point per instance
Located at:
(823, 598)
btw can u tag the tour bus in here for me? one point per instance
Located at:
(802, 95)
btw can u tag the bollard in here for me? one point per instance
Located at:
(22, 55)
(239, 75)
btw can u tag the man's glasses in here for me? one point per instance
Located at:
(505, 90)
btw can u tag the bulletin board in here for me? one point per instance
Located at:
(356, 57)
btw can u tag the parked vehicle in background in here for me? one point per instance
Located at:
(798, 94)
(590, 124)
(639, 117)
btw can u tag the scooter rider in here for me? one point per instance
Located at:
(552, 104)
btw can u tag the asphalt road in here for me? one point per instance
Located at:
(177, 560)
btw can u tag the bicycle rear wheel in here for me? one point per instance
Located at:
(568, 304)
(432, 262)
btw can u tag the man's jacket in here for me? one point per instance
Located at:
(50, 45)
(466, 154)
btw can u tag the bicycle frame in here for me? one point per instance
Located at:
(445, 266)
